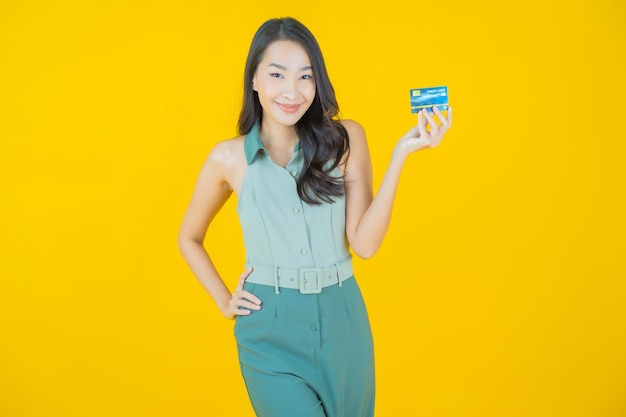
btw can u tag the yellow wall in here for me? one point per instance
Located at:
(499, 291)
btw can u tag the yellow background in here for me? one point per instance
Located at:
(499, 290)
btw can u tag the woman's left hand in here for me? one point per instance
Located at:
(427, 133)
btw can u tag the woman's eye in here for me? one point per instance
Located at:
(275, 75)
(307, 77)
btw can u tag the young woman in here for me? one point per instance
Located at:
(303, 180)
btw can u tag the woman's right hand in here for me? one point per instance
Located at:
(241, 298)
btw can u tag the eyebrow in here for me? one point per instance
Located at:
(282, 67)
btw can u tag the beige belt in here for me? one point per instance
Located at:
(307, 280)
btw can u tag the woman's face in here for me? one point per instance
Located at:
(284, 82)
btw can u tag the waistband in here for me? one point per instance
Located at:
(307, 280)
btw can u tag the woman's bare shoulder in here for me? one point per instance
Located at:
(356, 133)
(227, 162)
(353, 127)
(358, 141)
(227, 152)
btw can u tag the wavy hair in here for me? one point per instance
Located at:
(323, 140)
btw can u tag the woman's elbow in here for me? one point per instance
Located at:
(181, 241)
(364, 252)
(184, 241)
(362, 247)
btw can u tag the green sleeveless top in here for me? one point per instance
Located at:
(279, 229)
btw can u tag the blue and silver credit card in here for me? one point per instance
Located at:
(427, 98)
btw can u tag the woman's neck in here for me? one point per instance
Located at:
(278, 136)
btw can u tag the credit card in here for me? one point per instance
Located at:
(427, 98)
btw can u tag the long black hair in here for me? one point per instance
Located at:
(323, 140)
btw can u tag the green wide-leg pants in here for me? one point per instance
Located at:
(308, 355)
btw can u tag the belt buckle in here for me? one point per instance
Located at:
(310, 280)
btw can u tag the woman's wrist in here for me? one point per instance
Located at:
(400, 154)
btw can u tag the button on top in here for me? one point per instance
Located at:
(293, 173)
(296, 210)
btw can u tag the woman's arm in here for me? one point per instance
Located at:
(211, 192)
(368, 217)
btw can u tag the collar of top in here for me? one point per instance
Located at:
(252, 143)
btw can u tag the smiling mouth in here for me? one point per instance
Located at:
(289, 108)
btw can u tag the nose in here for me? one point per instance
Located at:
(290, 90)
